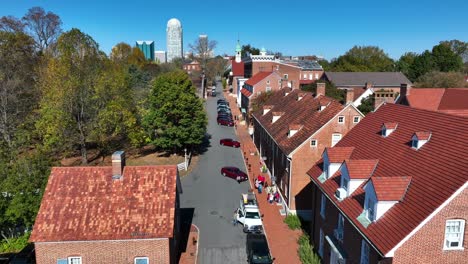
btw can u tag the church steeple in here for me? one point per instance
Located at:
(238, 52)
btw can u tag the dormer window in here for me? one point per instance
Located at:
(300, 96)
(293, 129)
(267, 108)
(353, 174)
(276, 116)
(419, 139)
(388, 128)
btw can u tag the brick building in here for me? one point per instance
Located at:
(394, 190)
(384, 86)
(193, 67)
(447, 100)
(260, 83)
(291, 132)
(118, 214)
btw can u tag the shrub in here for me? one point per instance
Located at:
(305, 251)
(293, 221)
(14, 244)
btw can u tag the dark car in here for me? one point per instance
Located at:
(221, 101)
(229, 142)
(223, 108)
(224, 116)
(257, 249)
(234, 173)
(225, 122)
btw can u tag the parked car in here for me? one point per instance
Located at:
(234, 173)
(224, 116)
(257, 249)
(229, 142)
(223, 108)
(221, 101)
(225, 122)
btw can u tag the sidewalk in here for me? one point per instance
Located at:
(189, 256)
(282, 240)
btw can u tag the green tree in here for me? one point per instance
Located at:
(325, 64)
(459, 47)
(249, 49)
(175, 118)
(445, 59)
(137, 57)
(441, 80)
(422, 64)
(367, 105)
(18, 96)
(363, 59)
(404, 63)
(68, 108)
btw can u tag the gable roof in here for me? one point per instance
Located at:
(338, 155)
(437, 170)
(85, 203)
(448, 100)
(390, 188)
(303, 112)
(360, 169)
(237, 68)
(257, 78)
(361, 78)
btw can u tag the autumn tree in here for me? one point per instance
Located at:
(18, 96)
(68, 108)
(121, 53)
(11, 24)
(202, 49)
(441, 80)
(44, 27)
(175, 117)
(363, 59)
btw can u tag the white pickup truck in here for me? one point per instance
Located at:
(248, 214)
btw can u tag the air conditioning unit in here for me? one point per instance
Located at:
(338, 234)
(341, 193)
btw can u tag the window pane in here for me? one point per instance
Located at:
(141, 261)
(62, 261)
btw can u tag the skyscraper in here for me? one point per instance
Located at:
(147, 47)
(174, 39)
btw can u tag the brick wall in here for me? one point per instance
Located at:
(103, 252)
(307, 156)
(426, 246)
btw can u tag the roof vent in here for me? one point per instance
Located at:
(276, 116)
(118, 164)
(388, 128)
(419, 139)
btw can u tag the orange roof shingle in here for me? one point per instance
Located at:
(257, 78)
(390, 188)
(85, 203)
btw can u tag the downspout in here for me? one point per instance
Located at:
(289, 183)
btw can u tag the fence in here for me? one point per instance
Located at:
(184, 165)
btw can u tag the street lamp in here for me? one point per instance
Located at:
(185, 158)
(203, 84)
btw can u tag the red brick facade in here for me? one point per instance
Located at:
(430, 238)
(105, 252)
(306, 156)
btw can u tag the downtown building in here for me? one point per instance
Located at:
(147, 47)
(174, 39)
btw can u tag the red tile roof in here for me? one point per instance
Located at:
(360, 169)
(257, 78)
(246, 92)
(390, 188)
(448, 100)
(339, 154)
(437, 170)
(85, 203)
(237, 68)
(303, 112)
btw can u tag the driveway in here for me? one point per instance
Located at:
(214, 197)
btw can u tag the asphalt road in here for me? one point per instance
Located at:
(214, 197)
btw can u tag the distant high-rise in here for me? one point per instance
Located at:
(174, 39)
(147, 47)
(160, 56)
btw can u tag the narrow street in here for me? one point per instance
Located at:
(213, 198)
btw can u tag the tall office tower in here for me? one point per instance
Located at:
(147, 47)
(174, 39)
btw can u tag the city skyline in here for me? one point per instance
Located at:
(324, 29)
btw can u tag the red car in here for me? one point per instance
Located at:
(225, 122)
(234, 173)
(229, 142)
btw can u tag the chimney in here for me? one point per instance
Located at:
(118, 164)
(368, 85)
(320, 89)
(349, 96)
(405, 89)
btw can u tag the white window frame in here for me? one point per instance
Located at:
(285, 76)
(268, 81)
(323, 204)
(365, 252)
(333, 135)
(358, 118)
(70, 259)
(268, 89)
(141, 258)
(305, 76)
(414, 143)
(460, 233)
(313, 143)
(311, 76)
(344, 182)
(370, 209)
(321, 245)
(342, 121)
(316, 76)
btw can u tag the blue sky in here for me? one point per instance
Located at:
(293, 27)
